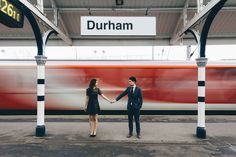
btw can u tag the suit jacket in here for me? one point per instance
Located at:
(135, 99)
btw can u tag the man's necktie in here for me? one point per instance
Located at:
(132, 91)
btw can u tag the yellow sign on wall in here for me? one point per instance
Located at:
(10, 15)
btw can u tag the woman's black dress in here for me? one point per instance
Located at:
(93, 105)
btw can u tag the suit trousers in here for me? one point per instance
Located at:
(133, 112)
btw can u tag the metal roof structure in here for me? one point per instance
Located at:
(169, 14)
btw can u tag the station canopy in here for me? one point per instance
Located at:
(168, 13)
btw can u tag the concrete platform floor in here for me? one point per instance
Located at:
(162, 136)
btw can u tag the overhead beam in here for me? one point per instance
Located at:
(182, 18)
(57, 16)
(42, 17)
(199, 5)
(40, 5)
(172, 9)
(55, 12)
(194, 20)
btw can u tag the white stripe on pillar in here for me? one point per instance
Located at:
(201, 114)
(40, 89)
(41, 72)
(40, 113)
(201, 73)
(201, 91)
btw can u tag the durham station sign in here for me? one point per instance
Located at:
(118, 26)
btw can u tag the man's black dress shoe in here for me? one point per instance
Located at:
(139, 136)
(129, 135)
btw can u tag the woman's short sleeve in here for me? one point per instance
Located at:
(99, 91)
(87, 92)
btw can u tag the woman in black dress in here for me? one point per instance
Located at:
(92, 105)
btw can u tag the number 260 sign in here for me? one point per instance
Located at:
(10, 15)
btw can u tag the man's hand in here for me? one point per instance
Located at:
(113, 101)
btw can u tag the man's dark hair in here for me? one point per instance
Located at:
(132, 78)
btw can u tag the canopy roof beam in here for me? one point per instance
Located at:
(183, 17)
(40, 5)
(199, 5)
(42, 17)
(55, 12)
(157, 9)
(57, 16)
(194, 21)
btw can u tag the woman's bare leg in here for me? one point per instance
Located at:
(91, 124)
(95, 124)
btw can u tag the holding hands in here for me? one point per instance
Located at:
(109, 100)
(112, 101)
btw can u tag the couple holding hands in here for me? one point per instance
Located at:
(135, 101)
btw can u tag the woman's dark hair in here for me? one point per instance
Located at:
(132, 78)
(92, 83)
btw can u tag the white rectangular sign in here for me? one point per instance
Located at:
(121, 26)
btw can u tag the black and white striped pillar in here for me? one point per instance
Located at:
(41, 60)
(201, 130)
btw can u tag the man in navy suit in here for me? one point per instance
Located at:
(135, 101)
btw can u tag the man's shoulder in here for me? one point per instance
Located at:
(138, 88)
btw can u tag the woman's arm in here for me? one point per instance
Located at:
(104, 97)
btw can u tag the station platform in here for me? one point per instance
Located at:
(162, 136)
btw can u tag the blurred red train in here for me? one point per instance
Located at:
(166, 85)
